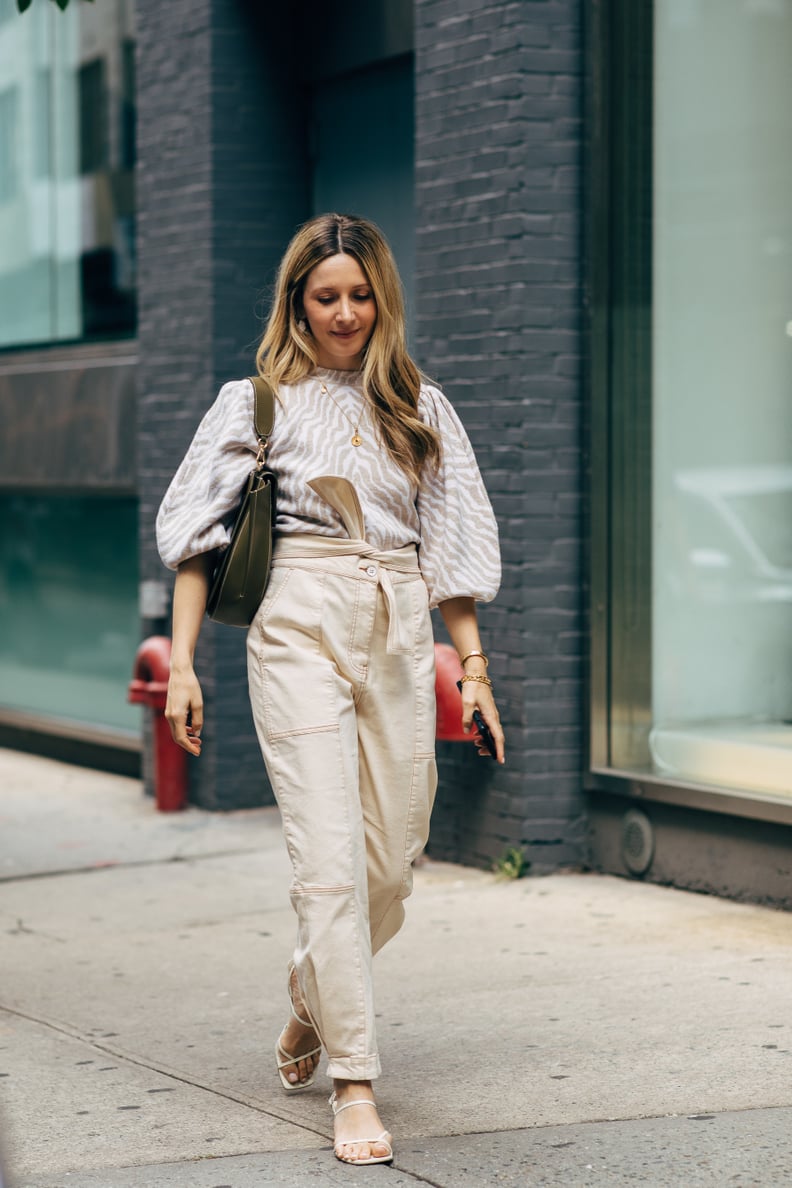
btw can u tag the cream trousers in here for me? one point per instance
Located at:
(341, 671)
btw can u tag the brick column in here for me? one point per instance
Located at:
(498, 299)
(222, 184)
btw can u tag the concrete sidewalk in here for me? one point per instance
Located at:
(566, 1031)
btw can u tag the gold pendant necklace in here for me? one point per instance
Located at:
(355, 439)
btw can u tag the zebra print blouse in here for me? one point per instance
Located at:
(449, 516)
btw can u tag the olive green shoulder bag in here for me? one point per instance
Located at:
(240, 578)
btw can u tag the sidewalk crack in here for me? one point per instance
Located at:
(21, 929)
(130, 864)
(419, 1179)
(164, 1070)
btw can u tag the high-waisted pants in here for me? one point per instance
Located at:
(341, 671)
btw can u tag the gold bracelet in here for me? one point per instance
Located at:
(476, 652)
(474, 676)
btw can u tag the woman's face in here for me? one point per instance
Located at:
(340, 310)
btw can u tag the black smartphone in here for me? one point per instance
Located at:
(483, 729)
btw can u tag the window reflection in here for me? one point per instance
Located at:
(722, 441)
(9, 156)
(67, 206)
(67, 643)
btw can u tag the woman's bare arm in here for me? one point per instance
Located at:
(184, 708)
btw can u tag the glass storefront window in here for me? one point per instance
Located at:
(722, 394)
(67, 260)
(69, 622)
(691, 283)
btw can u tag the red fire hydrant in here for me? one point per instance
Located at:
(448, 670)
(149, 686)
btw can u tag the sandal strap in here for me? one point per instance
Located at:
(347, 1104)
(305, 1022)
(371, 1141)
(295, 1059)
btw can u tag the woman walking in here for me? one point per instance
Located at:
(381, 515)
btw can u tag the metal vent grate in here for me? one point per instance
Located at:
(637, 847)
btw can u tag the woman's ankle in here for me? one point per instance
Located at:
(344, 1089)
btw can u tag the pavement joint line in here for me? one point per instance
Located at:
(164, 1069)
(419, 1179)
(254, 1104)
(394, 1167)
(110, 864)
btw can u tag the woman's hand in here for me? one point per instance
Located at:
(459, 616)
(184, 709)
(476, 695)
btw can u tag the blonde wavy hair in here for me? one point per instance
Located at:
(391, 381)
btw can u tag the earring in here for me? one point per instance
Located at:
(301, 325)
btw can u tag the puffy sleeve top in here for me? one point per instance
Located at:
(448, 515)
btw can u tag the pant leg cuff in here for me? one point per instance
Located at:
(354, 1068)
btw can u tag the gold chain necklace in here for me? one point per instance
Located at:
(355, 439)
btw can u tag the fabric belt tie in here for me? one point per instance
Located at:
(296, 547)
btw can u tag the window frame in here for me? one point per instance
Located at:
(619, 94)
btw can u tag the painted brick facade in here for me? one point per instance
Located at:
(222, 184)
(224, 180)
(498, 297)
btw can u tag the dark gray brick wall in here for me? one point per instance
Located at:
(223, 181)
(222, 184)
(498, 297)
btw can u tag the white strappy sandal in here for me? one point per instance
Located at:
(284, 1060)
(384, 1139)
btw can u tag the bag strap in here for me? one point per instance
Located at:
(264, 412)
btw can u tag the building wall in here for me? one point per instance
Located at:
(222, 186)
(498, 305)
(223, 181)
